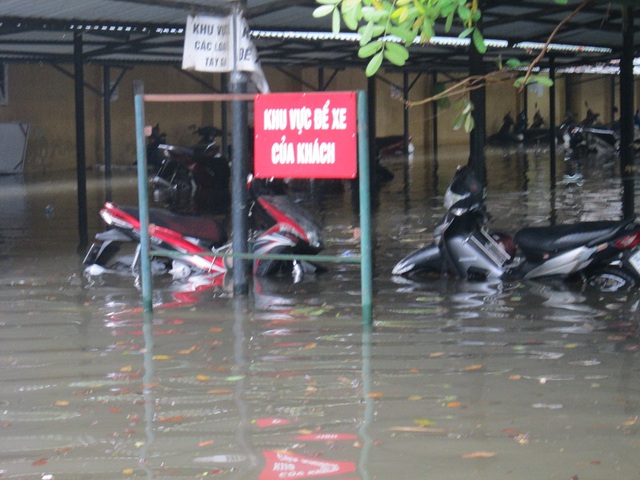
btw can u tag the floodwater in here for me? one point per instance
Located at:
(454, 380)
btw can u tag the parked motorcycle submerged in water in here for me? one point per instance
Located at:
(603, 253)
(285, 228)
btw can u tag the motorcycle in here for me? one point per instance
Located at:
(604, 253)
(393, 145)
(284, 228)
(193, 178)
(517, 132)
(588, 136)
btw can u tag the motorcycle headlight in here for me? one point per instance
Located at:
(450, 198)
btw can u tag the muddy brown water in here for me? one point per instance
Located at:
(455, 379)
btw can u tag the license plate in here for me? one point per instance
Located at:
(635, 261)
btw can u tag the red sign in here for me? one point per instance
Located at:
(305, 135)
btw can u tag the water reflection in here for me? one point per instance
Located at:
(455, 379)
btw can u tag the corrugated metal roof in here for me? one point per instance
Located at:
(151, 31)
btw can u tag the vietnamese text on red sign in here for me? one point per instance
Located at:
(299, 120)
(306, 135)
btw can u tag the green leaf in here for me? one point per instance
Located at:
(396, 54)
(329, 2)
(447, 26)
(335, 23)
(478, 41)
(458, 121)
(466, 32)
(366, 32)
(403, 32)
(370, 49)
(323, 11)
(544, 81)
(469, 123)
(514, 63)
(374, 64)
(371, 14)
(351, 14)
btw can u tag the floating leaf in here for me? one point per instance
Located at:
(177, 418)
(471, 368)
(478, 455)
(418, 430)
(424, 422)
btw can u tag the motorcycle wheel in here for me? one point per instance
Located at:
(610, 279)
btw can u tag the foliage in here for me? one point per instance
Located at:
(389, 27)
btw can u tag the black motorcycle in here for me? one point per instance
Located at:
(195, 178)
(604, 253)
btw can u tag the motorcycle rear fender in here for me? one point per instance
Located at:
(427, 258)
(564, 264)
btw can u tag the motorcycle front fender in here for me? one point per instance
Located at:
(427, 258)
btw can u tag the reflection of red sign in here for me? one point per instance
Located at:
(283, 465)
(305, 135)
(325, 437)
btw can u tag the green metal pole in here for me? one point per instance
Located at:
(365, 209)
(143, 196)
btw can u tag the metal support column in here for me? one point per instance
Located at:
(405, 116)
(626, 113)
(477, 137)
(106, 102)
(239, 194)
(239, 166)
(143, 196)
(434, 86)
(371, 107)
(366, 261)
(81, 167)
(552, 123)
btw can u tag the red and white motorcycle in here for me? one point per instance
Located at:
(280, 227)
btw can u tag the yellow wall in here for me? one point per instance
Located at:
(44, 97)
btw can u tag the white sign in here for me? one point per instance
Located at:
(209, 45)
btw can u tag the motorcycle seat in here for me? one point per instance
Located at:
(544, 240)
(203, 228)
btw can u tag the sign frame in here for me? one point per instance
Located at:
(306, 135)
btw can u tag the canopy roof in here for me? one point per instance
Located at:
(120, 32)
